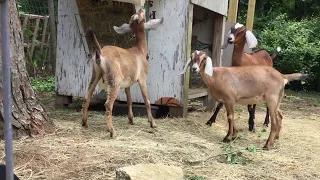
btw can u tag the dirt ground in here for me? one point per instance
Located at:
(76, 153)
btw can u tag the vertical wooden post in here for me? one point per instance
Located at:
(53, 39)
(44, 34)
(188, 53)
(34, 37)
(250, 14)
(217, 52)
(233, 10)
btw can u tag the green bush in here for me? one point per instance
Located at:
(300, 43)
(43, 84)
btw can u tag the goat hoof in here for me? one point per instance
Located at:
(113, 134)
(153, 125)
(85, 125)
(266, 148)
(131, 122)
(209, 123)
(227, 140)
(252, 130)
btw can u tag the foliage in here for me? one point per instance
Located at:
(43, 84)
(38, 7)
(294, 26)
(300, 45)
(234, 156)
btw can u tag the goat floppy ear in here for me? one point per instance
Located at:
(208, 69)
(251, 39)
(153, 24)
(122, 29)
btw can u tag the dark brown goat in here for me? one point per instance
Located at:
(239, 35)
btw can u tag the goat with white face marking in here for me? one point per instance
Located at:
(239, 35)
(121, 68)
(244, 85)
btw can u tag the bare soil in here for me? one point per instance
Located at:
(72, 152)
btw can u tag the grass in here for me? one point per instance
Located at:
(72, 152)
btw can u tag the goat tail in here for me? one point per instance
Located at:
(294, 77)
(93, 43)
(275, 52)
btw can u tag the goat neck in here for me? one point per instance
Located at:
(238, 51)
(141, 40)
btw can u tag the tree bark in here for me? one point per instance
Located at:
(28, 115)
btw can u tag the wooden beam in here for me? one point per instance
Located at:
(53, 34)
(250, 14)
(44, 34)
(217, 52)
(188, 53)
(233, 10)
(34, 38)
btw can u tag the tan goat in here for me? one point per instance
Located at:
(244, 85)
(121, 68)
(239, 35)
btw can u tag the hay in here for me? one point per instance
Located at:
(103, 18)
(76, 153)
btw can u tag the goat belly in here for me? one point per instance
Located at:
(252, 100)
(126, 82)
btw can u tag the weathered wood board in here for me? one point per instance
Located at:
(73, 68)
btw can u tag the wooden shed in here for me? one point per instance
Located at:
(188, 25)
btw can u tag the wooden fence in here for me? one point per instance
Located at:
(36, 33)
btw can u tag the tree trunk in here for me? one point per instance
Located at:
(28, 115)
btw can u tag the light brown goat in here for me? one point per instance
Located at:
(121, 68)
(244, 85)
(239, 35)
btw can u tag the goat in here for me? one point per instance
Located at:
(120, 68)
(244, 85)
(239, 35)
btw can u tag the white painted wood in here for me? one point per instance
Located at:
(135, 2)
(218, 6)
(73, 68)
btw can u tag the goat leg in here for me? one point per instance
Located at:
(129, 101)
(144, 92)
(215, 114)
(112, 96)
(251, 109)
(279, 125)
(92, 85)
(266, 120)
(274, 126)
(230, 114)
